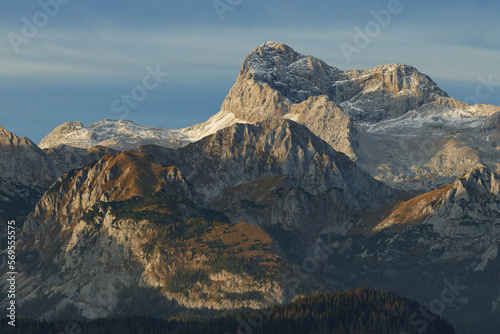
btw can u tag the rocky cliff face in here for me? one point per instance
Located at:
(213, 215)
(395, 121)
(464, 216)
(298, 175)
(127, 212)
(449, 236)
(386, 91)
(117, 223)
(25, 173)
(113, 178)
(392, 119)
(21, 159)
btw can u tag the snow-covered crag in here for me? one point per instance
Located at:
(119, 135)
(393, 120)
(125, 135)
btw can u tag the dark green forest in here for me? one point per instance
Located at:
(353, 311)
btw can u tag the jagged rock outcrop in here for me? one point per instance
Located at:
(65, 158)
(115, 224)
(473, 199)
(25, 173)
(22, 160)
(464, 215)
(437, 241)
(393, 120)
(299, 176)
(105, 216)
(297, 149)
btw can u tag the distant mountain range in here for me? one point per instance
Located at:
(308, 179)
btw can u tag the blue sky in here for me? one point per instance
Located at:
(91, 52)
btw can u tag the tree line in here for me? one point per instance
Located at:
(354, 311)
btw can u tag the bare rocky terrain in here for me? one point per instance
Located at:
(309, 178)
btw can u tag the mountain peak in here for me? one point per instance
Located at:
(480, 180)
(275, 45)
(277, 48)
(4, 132)
(19, 155)
(115, 134)
(268, 59)
(274, 77)
(12, 138)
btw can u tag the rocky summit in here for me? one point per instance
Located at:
(394, 121)
(308, 179)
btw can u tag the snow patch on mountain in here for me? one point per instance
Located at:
(434, 119)
(124, 135)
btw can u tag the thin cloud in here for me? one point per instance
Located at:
(198, 53)
(113, 58)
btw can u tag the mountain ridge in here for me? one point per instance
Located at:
(388, 108)
(395, 182)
